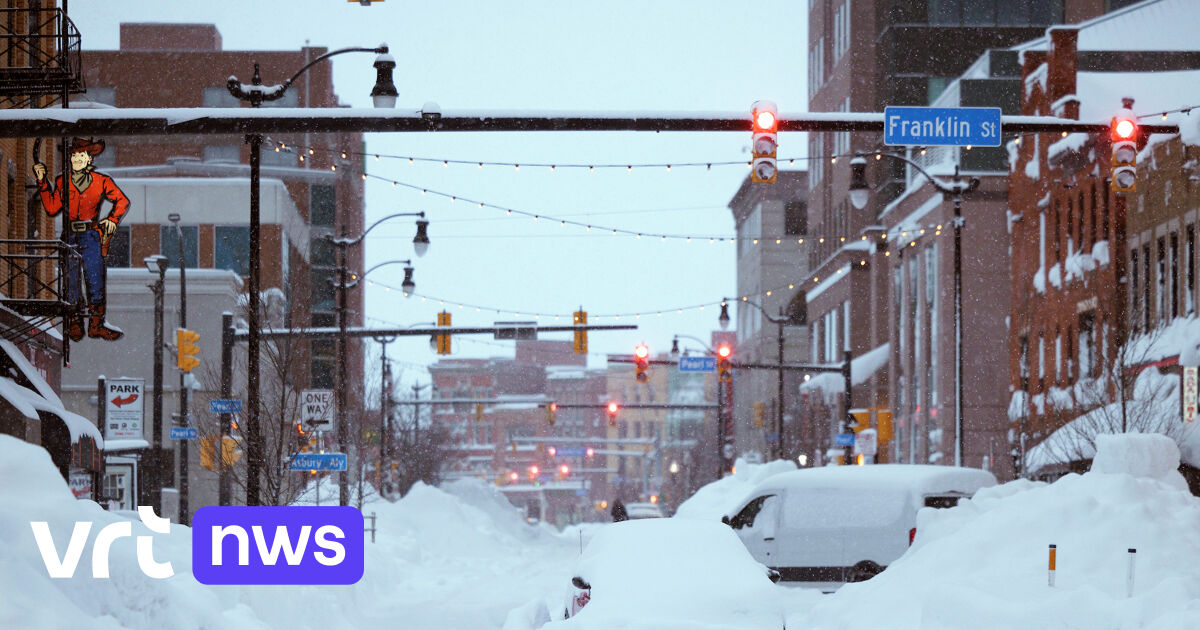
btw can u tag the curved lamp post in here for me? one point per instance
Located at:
(794, 318)
(383, 95)
(954, 189)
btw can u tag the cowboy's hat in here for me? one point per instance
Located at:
(93, 147)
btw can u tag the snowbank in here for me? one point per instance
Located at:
(720, 497)
(986, 560)
(455, 558)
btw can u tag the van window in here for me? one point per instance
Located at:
(826, 508)
(746, 517)
(941, 502)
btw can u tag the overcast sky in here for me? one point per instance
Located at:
(674, 56)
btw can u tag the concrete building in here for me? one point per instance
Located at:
(771, 222)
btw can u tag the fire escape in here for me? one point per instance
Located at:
(39, 67)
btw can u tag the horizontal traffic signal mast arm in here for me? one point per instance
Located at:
(553, 439)
(29, 123)
(331, 333)
(624, 406)
(792, 367)
(629, 358)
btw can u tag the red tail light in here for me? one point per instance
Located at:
(912, 535)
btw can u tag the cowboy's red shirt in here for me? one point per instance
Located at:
(85, 204)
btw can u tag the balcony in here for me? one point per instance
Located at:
(39, 55)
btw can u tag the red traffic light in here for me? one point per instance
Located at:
(552, 451)
(533, 470)
(765, 120)
(1124, 129)
(613, 408)
(565, 470)
(513, 476)
(642, 351)
(724, 351)
(591, 451)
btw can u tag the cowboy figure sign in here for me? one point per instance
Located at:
(86, 230)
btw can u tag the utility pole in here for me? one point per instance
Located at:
(225, 482)
(154, 472)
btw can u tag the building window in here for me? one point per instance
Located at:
(322, 206)
(795, 218)
(321, 253)
(219, 97)
(1087, 356)
(1146, 286)
(223, 153)
(322, 289)
(931, 299)
(1160, 283)
(169, 244)
(232, 248)
(118, 248)
(1189, 270)
(1134, 289)
(1173, 275)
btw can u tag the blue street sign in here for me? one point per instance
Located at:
(772, 437)
(183, 433)
(319, 461)
(941, 126)
(844, 439)
(697, 364)
(221, 405)
(570, 451)
(580, 492)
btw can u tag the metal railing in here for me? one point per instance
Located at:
(33, 277)
(39, 54)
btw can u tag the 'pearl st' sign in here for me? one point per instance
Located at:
(941, 126)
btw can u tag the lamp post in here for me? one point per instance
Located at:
(343, 242)
(954, 189)
(157, 264)
(788, 319)
(183, 386)
(343, 286)
(383, 95)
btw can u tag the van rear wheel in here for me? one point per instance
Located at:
(863, 571)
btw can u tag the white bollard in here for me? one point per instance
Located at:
(1129, 581)
(1053, 549)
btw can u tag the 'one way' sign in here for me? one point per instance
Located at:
(317, 408)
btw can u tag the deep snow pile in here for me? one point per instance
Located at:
(985, 561)
(441, 559)
(718, 498)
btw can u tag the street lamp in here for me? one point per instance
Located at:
(157, 264)
(954, 189)
(796, 317)
(383, 94)
(675, 344)
(343, 286)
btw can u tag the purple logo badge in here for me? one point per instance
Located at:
(277, 545)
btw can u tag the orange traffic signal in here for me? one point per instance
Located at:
(724, 367)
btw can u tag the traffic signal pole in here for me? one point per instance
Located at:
(184, 518)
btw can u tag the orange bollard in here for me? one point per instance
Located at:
(1053, 550)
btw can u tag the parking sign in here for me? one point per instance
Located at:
(123, 408)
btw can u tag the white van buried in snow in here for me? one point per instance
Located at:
(826, 526)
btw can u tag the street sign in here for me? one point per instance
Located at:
(515, 330)
(1191, 384)
(772, 437)
(183, 433)
(570, 451)
(866, 443)
(319, 462)
(941, 126)
(221, 405)
(317, 408)
(844, 439)
(123, 399)
(697, 364)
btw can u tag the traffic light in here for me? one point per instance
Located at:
(186, 349)
(764, 142)
(478, 412)
(301, 438)
(641, 360)
(724, 368)
(1124, 136)
(443, 339)
(862, 419)
(759, 413)
(613, 408)
(564, 470)
(580, 335)
(591, 451)
(551, 413)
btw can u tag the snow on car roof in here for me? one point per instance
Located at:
(921, 477)
(660, 570)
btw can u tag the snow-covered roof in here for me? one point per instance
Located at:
(1100, 93)
(1153, 25)
(822, 286)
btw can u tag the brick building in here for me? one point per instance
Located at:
(1095, 273)
(36, 71)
